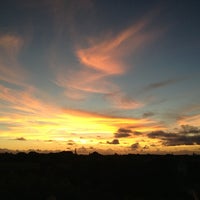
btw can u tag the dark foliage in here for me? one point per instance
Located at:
(69, 176)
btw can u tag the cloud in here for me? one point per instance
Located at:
(10, 44)
(21, 139)
(189, 119)
(183, 140)
(22, 100)
(102, 58)
(115, 141)
(124, 132)
(71, 142)
(65, 13)
(145, 147)
(10, 70)
(118, 120)
(83, 81)
(24, 112)
(148, 114)
(187, 129)
(161, 135)
(187, 135)
(161, 84)
(49, 141)
(135, 146)
(105, 55)
(122, 101)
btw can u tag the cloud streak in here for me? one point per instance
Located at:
(122, 101)
(192, 120)
(10, 70)
(156, 85)
(21, 139)
(26, 116)
(100, 60)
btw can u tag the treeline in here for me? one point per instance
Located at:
(66, 175)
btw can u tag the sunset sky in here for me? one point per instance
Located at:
(111, 76)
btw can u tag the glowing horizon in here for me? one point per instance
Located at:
(98, 76)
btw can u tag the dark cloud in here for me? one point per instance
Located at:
(122, 132)
(161, 135)
(21, 139)
(125, 132)
(121, 135)
(160, 84)
(187, 135)
(135, 146)
(137, 133)
(70, 142)
(189, 129)
(148, 114)
(145, 147)
(134, 128)
(183, 140)
(115, 141)
(49, 140)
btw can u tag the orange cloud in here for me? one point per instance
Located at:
(106, 55)
(102, 59)
(26, 116)
(108, 123)
(84, 80)
(22, 100)
(193, 120)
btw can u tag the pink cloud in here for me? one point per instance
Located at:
(102, 59)
(107, 55)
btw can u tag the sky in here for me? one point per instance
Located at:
(95, 75)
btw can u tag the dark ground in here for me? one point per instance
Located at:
(64, 175)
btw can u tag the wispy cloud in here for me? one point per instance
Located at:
(22, 100)
(10, 70)
(100, 60)
(83, 81)
(148, 114)
(122, 101)
(192, 120)
(26, 116)
(109, 122)
(161, 84)
(107, 54)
